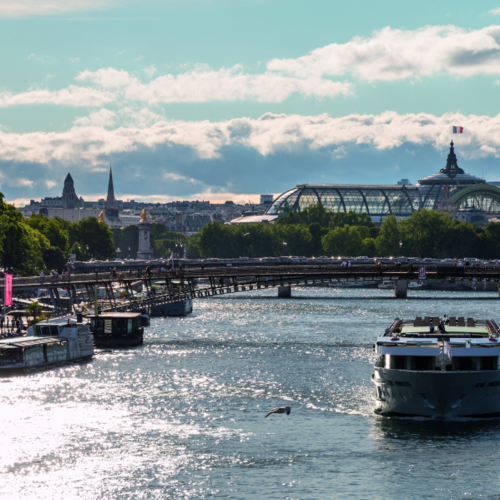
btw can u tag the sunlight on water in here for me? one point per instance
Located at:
(182, 415)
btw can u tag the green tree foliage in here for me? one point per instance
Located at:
(343, 241)
(165, 242)
(95, 238)
(56, 256)
(424, 233)
(21, 247)
(370, 247)
(389, 238)
(76, 250)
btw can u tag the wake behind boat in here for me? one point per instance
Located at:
(423, 370)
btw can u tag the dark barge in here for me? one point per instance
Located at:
(117, 329)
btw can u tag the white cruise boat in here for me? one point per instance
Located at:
(423, 371)
(48, 343)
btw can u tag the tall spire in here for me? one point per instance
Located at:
(452, 168)
(110, 201)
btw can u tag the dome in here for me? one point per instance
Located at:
(451, 175)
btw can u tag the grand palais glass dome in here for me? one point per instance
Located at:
(450, 188)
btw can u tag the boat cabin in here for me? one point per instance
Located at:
(117, 329)
(421, 346)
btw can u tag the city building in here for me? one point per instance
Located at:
(450, 188)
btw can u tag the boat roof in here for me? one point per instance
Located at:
(28, 341)
(453, 327)
(118, 315)
(449, 329)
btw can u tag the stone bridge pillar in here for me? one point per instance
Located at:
(401, 289)
(284, 291)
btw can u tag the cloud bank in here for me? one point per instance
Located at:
(388, 55)
(393, 54)
(91, 143)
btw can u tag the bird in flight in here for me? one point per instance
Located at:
(280, 409)
(246, 234)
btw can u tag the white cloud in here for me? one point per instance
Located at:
(388, 55)
(50, 184)
(20, 182)
(102, 118)
(71, 96)
(204, 84)
(150, 70)
(393, 54)
(91, 145)
(177, 177)
(24, 8)
(495, 12)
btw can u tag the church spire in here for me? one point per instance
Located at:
(111, 204)
(110, 201)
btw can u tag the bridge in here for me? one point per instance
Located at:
(194, 283)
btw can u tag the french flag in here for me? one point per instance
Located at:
(458, 130)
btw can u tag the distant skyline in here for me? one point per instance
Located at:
(216, 99)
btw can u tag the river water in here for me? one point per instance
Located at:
(183, 415)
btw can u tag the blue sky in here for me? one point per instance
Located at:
(219, 99)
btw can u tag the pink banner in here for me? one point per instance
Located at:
(8, 289)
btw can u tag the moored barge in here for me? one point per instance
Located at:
(117, 329)
(49, 343)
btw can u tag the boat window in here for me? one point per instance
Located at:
(489, 363)
(11, 355)
(54, 331)
(129, 326)
(466, 364)
(45, 331)
(424, 362)
(37, 331)
(398, 362)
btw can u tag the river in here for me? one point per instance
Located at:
(183, 415)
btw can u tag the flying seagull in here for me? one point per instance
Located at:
(246, 234)
(280, 409)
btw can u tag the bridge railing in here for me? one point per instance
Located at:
(198, 272)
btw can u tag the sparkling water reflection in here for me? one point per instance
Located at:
(182, 416)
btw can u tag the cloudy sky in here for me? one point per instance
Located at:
(226, 99)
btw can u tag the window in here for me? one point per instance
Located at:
(424, 362)
(398, 362)
(489, 363)
(466, 364)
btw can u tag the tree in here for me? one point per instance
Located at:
(423, 233)
(95, 235)
(21, 247)
(370, 247)
(389, 237)
(52, 229)
(56, 256)
(343, 241)
(295, 239)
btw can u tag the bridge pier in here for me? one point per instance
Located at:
(401, 289)
(284, 291)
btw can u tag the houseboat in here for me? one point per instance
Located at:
(47, 343)
(117, 329)
(438, 367)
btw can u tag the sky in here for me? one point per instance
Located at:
(227, 99)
